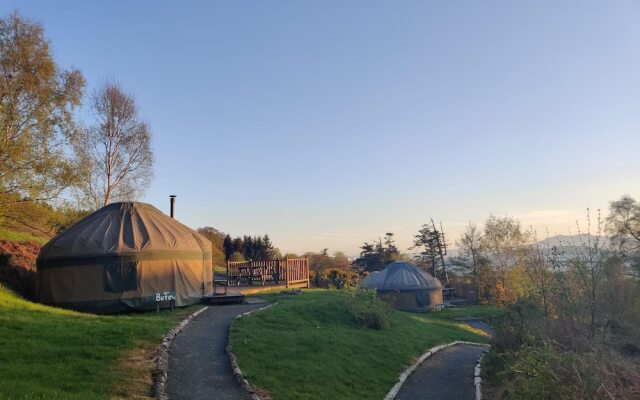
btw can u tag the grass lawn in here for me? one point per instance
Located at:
(6, 234)
(307, 347)
(50, 353)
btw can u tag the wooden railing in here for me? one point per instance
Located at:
(297, 271)
(290, 271)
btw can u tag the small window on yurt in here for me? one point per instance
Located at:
(120, 276)
(422, 298)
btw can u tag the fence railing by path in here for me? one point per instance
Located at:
(290, 271)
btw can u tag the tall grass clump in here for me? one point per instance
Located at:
(364, 307)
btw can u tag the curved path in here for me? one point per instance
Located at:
(198, 364)
(448, 374)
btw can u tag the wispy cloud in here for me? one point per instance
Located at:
(551, 217)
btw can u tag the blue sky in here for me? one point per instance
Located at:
(326, 124)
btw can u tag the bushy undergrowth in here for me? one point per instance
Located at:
(535, 357)
(335, 278)
(17, 267)
(366, 309)
(546, 372)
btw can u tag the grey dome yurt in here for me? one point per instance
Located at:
(415, 289)
(125, 256)
(365, 281)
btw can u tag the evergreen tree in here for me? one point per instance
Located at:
(227, 246)
(251, 247)
(248, 248)
(258, 248)
(269, 251)
(390, 251)
(431, 257)
(238, 245)
(375, 257)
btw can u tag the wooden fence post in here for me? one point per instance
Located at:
(286, 271)
(308, 270)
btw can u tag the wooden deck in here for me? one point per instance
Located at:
(287, 273)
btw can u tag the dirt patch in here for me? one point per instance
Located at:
(18, 267)
(134, 380)
(22, 254)
(262, 393)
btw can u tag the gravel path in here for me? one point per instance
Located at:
(198, 364)
(448, 374)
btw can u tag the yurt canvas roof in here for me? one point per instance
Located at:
(400, 275)
(125, 256)
(126, 228)
(365, 281)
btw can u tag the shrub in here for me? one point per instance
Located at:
(521, 323)
(334, 278)
(366, 309)
(17, 267)
(528, 374)
(4, 260)
(236, 256)
(545, 372)
(535, 357)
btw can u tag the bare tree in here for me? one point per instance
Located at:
(504, 248)
(582, 269)
(470, 256)
(539, 267)
(624, 220)
(116, 150)
(504, 242)
(623, 223)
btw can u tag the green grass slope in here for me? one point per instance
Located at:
(50, 353)
(6, 234)
(307, 347)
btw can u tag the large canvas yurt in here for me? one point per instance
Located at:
(125, 256)
(414, 289)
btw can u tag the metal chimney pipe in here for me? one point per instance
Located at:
(172, 201)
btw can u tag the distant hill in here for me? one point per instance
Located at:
(564, 241)
(566, 244)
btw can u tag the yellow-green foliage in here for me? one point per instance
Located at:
(504, 287)
(516, 283)
(335, 278)
(38, 105)
(6, 234)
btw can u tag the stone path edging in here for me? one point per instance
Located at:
(404, 375)
(162, 356)
(237, 372)
(477, 379)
